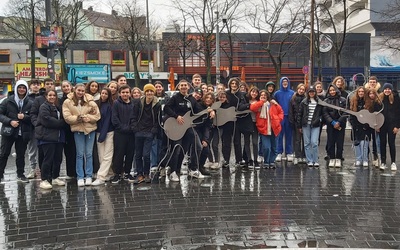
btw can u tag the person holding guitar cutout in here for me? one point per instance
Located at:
(361, 132)
(374, 104)
(387, 133)
(335, 124)
(176, 107)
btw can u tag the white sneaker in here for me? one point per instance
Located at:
(383, 166)
(338, 163)
(278, 157)
(208, 164)
(88, 181)
(260, 159)
(289, 157)
(32, 174)
(365, 163)
(295, 161)
(358, 163)
(196, 174)
(58, 182)
(393, 167)
(153, 169)
(303, 160)
(331, 163)
(375, 163)
(316, 164)
(98, 182)
(81, 183)
(45, 185)
(215, 165)
(174, 177)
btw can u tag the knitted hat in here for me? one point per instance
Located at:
(388, 86)
(149, 86)
(269, 83)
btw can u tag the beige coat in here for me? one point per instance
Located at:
(88, 109)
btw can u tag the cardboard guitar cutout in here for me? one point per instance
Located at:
(375, 120)
(227, 115)
(176, 131)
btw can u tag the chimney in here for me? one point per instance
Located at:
(114, 13)
(90, 8)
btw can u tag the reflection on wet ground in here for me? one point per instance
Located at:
(292, 206)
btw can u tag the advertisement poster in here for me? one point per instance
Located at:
(83, 73)
(23, 71)
(49, 37)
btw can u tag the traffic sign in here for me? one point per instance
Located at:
(305, 69)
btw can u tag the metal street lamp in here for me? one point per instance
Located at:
(217, 55)
(148, 43)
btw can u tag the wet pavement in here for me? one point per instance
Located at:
(290, 207)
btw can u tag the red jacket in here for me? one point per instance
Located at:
(276, 117)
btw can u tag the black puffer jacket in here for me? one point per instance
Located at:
(294, 107)
(302, 114)
(391, 111)
(330, 114)
(50, 124)
(9, 112)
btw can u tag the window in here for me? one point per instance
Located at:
(98, 31)
(92, 56)
(113, 34)
(144, 58)
(4, 56)
(118, 58)
(28, 56)
(105, 33)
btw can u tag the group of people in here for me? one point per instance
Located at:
(103, 132)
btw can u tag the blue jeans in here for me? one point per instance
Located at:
(310, 138)
(143, 141)
(362, 151)
(155, 152)
(286, 132)
(84, 150)
(268, 143)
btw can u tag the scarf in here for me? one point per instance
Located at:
(264, 114)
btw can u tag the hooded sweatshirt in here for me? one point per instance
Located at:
(13, 105)
(283, 96)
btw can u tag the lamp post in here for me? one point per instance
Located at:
(311, 62)
(148, 43)
(217, 55)
(50, 50)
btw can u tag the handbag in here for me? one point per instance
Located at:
(7, 130)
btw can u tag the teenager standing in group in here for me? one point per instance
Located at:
(50, 135)
(82, 113)
(124, 138)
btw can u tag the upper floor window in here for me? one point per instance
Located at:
(91, 56)
(5, 56)
(118, 58)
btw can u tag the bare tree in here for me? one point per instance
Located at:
(68, 14)
(179, 43)
(132, 30)
(280, 21)
(21, 20)
(391, 30)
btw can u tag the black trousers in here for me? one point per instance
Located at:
(177, 149)
(51, 161)
(124, 147)
(335, 142)
(229, 132)
(387, 137)
(5, 149)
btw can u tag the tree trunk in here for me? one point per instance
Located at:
(33, 63)
(63, 64)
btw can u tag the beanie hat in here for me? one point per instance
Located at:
(149, 86)
(388, 86)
